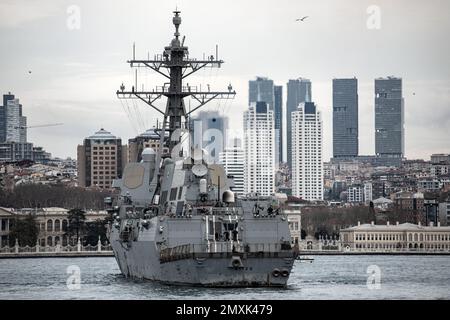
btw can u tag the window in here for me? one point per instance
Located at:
(57, 225)
(49, 225)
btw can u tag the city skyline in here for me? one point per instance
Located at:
(73, 79)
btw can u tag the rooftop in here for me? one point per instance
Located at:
(396, 227)
(102, 134)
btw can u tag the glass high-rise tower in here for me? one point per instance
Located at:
(298, 91)
(389, 118)
(345, 118)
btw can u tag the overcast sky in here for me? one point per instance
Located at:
(75, 72)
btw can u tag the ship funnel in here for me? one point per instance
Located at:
(228, 197)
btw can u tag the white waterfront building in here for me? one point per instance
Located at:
(232, 159)
(307, 165)
(398, 237)
(259, 149)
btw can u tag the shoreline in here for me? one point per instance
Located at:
(57, 255)
(95, 254)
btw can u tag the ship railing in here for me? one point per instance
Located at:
(55, 250)
(225, 211)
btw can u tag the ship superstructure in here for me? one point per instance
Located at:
(176, 219)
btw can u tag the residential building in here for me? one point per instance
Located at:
(101, 159)
(148, 139)
(259, 149)
(278, 111)
(298, 91)
(232, 159)
(307, 164)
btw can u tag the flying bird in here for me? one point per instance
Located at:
(29, 71)
(301, 19)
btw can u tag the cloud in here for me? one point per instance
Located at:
(14, 13)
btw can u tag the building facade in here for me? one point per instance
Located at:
(52, 223)
(261, 90)
(345, 117)
(298, 91)
(307, 164)
(403, 237)
(16, 151)
(278, 112)
(232, 159)
(3, 124)
(259, 150)
(148, 139)
(101, 159)
(210, 128)
(389, 118)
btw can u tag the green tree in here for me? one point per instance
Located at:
(96, 229)
(303, 234)
(25, 230)
(77, 223)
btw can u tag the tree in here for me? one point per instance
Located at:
(25, 230)
(77, 223)
(303, 234)
(96, 229)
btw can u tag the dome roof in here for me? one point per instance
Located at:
(150, 133)
(102, 134)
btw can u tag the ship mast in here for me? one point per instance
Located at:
(175, 65)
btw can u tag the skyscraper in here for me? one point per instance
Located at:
(232, 159)
(6, 98)
(278, 112)
(101, 159)
(261, 89)
(307, 165)
(15, 122)
(298, 91)
(345, 118)
(211, 128)
(259, 149)
(389, 118)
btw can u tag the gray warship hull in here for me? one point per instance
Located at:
(207, 265)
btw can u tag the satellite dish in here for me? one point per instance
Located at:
(218, 172)
(199, 170)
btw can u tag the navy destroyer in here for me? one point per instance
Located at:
(175, 219)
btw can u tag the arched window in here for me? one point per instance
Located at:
(64, 240)
(57, 225)
(410, 237)
(57, 240)
(415, 236)
(42, 242)
(49, 225)
(64, 225)
(49, 241)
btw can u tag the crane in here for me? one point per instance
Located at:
(39, 126)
